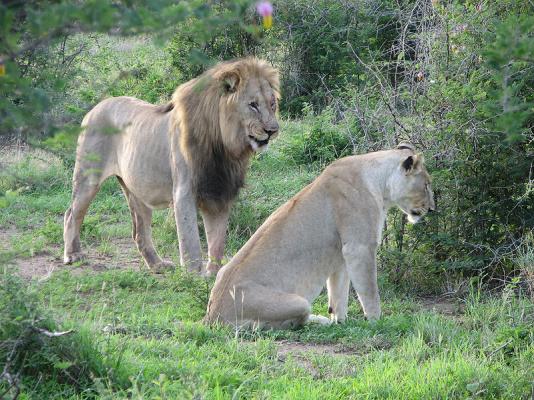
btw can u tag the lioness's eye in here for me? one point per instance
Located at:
(254, 106)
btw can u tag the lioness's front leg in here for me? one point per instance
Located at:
(361, 266)
(338, 285)
(215, 224)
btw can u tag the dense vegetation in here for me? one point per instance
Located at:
(456, 78)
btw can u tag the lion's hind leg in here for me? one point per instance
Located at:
(93, 166)
(84, 191)
(142, 231)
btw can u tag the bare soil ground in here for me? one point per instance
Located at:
(286, 348)
(41, 265)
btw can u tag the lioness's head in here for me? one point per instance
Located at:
(412, 189)
(247, 107)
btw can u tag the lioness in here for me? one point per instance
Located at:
(329, 232)
(192, 152)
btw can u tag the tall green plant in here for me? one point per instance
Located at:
(36, 61)
(33, 347)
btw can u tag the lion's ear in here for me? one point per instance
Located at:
(412, 164)
(230, 81)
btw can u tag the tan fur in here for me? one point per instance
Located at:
(192, 152)
(328, 233)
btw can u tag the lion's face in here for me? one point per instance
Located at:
(414, 193)
(248, 114)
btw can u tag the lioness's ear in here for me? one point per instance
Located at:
(405, 146)
(230, 81)
(412, 163)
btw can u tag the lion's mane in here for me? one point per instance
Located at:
(217, 174)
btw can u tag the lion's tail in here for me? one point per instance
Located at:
(165, 108)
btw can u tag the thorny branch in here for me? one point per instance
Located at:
(13, 379)
(382, 87)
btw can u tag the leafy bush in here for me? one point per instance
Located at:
(31, 171)
(315, 41)
(196, 46)
(31, 348)
(316, 139)
(524, 260)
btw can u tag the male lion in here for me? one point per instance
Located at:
(329, 232)
(192, 152)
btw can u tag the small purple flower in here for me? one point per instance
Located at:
(264, 8)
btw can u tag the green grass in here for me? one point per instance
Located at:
(146, 339)
(153, 324)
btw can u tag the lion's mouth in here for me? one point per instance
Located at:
(258, 142)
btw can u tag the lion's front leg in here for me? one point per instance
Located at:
(185, 213)
(361, 266)
(215, 224)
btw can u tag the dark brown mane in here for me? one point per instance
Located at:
(218, 176)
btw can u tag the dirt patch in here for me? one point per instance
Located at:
(305, 356)
(40, 266)
(124, 256)
(285, 348)
(445, 306)
(43, 264)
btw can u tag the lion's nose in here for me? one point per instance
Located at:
(271, 132)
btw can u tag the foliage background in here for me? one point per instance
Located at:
(455, 78)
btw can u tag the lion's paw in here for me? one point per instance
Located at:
(212, 269)
(161, 267)
(72, 258)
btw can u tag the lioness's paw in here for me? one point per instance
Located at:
(336, 319)
(318, 319)
(72, 258)
(161, 267)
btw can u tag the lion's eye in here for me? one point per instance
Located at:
(273, 103)
(254, 106)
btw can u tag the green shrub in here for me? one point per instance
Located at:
(34, 171)
(28, 348)
(316, 139)
(524, 260)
